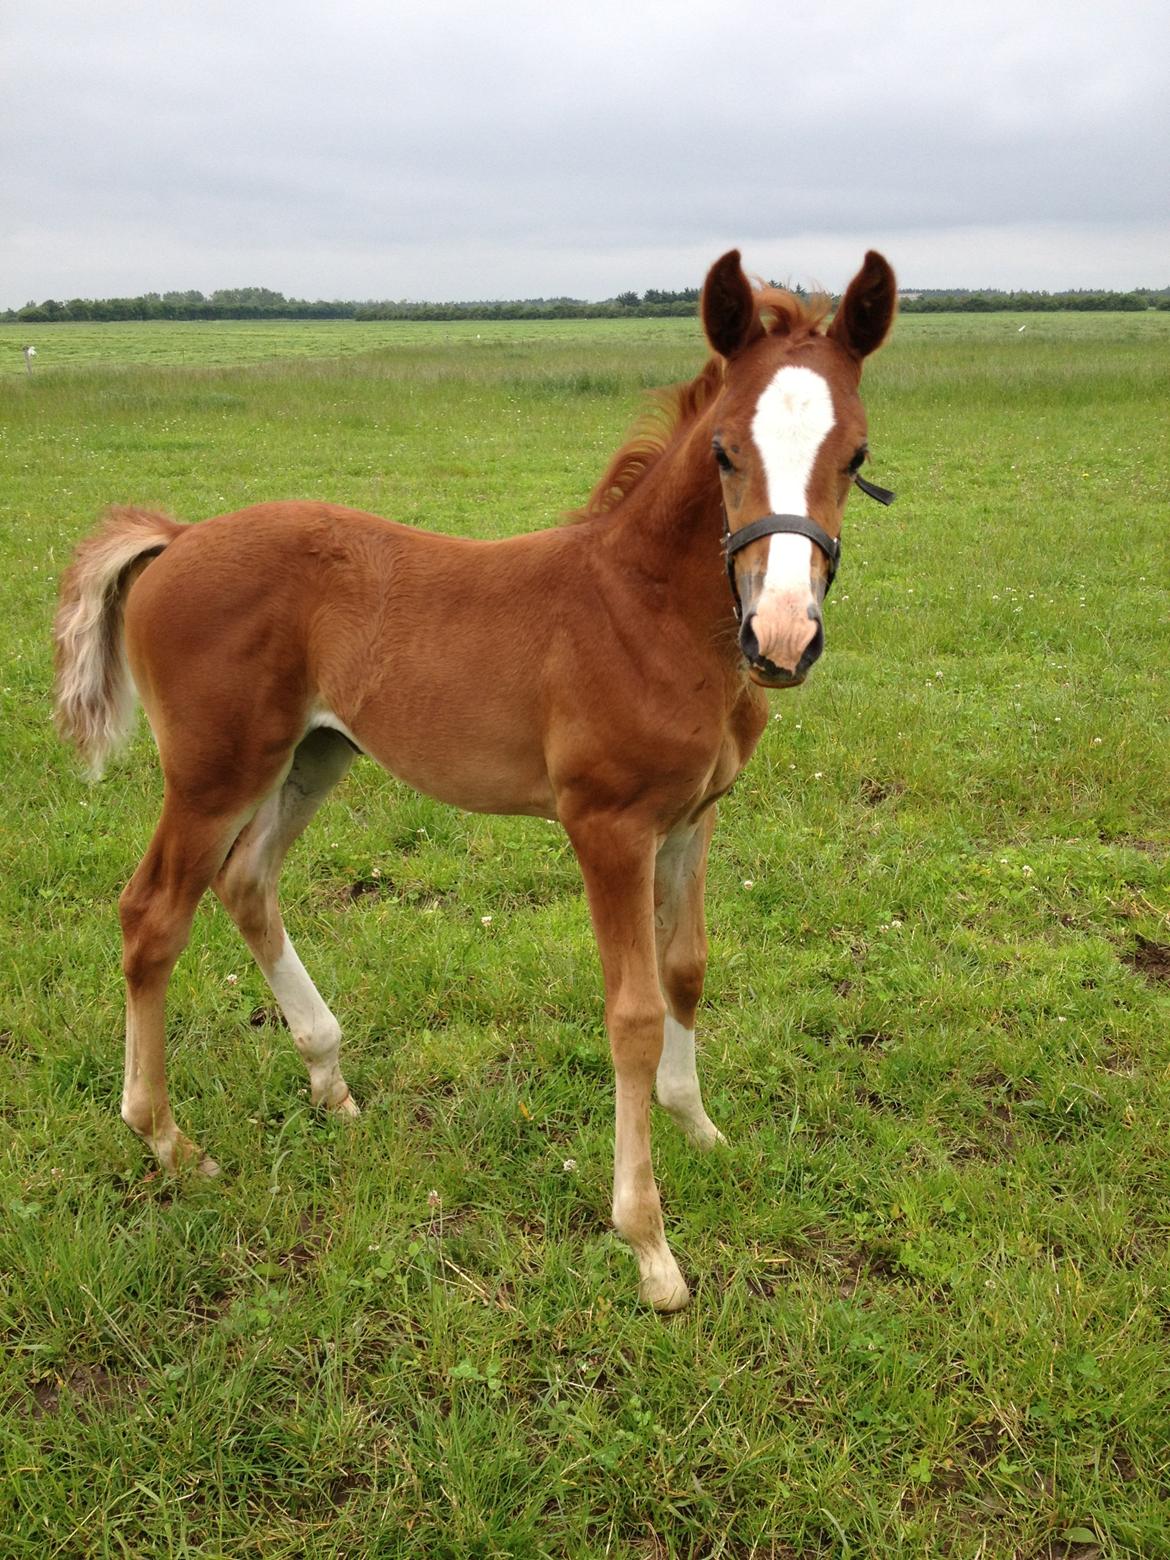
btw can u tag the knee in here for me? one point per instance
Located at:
(630, 1015)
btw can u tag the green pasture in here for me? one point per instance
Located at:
(930, 1311)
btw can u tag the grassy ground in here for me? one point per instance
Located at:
(930, 1271)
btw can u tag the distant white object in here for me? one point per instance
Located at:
(1022, 327)
(29, 354)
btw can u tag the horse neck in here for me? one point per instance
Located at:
(669, 529)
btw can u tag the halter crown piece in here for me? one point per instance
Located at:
(793, 525)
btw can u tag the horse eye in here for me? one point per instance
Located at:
(722, 459)
(858, 461)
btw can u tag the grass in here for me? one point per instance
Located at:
(930, 1272)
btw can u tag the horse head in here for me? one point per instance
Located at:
(789, 442)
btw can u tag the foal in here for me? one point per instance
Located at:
(592, 673)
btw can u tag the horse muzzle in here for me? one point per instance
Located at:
(781, 640)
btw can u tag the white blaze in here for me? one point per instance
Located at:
(793, 418)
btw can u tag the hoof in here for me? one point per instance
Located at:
(175, 1152)
(662, 1285)
(695, 1125)
(665, 1297)
(707, 1136)
(334, 1097)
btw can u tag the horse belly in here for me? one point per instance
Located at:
(477, 756)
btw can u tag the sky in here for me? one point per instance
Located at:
(374, 149)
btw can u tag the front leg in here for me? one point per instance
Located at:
(617, 863)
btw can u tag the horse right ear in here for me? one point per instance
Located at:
(729, 311)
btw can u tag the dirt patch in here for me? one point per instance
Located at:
(881, 1104)
(1147, 847)
(264, 1017)
(981, 1444)
(341, 1489)
(761, 1288)
(364, 888)
(873, 791)
(206, 1309)
(878, 1261)
(313, 1230)
(1116, 1058)
(869, 1039)
(1151, 959)
(91, 1387)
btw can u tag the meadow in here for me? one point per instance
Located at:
(930, 1311)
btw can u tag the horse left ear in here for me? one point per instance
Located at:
(730, 318)
(866, 313)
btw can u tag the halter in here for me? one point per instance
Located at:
(792, 525)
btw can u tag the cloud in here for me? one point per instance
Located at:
(146, 146)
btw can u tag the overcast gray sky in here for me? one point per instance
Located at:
(458, 150)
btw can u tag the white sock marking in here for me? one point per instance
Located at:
(315, 1031)
(677, 1084)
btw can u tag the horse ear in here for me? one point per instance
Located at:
(729, 306)
(866, 313)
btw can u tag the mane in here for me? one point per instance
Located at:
(783, 313)
(665, 412)
(668, 411)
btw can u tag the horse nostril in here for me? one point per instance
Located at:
(748, 642)
(813, 649)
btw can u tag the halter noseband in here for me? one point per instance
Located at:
(791, 525)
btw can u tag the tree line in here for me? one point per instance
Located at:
(988, 301)
(262, 303)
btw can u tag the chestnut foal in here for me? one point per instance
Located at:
(592, 673)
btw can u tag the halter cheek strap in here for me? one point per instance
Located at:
(790, 525)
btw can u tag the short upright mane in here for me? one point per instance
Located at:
(782, 312)
(667, 411)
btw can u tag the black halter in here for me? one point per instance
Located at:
(792, 525)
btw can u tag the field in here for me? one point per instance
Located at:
(930, 1270)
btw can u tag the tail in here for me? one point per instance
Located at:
(96, 701)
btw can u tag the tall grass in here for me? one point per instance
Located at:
(930, 1270)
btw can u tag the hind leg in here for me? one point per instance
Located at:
(247, 885)
(156, 909)
(681, 937)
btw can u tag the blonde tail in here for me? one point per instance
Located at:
(96, 701)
